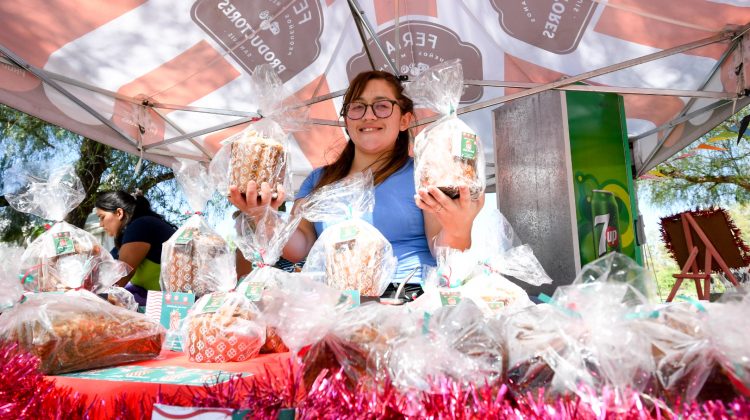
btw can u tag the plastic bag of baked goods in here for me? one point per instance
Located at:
(352, 252)
(10, 285)
(359, 344)
(263, 232)
(78, 330)
(302, 309)
(682, 350)
(619, 268)
(196, 259)
(223, 327)
(611, 352)
(727, 329)
(447, 153)
(65, 256)
(260, 152)
(457, 343)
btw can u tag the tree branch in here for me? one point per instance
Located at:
(154, 181)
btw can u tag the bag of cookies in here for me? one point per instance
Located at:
(196, 259)
(447, 153)
(352, 253)
(223, 327)
(260, 152)
(65, 256)
(78, 330)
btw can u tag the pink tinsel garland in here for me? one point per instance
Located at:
(25, 393)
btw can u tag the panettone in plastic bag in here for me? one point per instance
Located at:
(447, 153)
(260, 152)
(352, 252)
(223, 327)
(65, 256)
(197, 260)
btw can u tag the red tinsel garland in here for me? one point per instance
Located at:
(26, 394)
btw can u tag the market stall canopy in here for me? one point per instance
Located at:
(170, 79)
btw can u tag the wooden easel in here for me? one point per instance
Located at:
(690, 269)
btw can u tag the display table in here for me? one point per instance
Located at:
(170, 371)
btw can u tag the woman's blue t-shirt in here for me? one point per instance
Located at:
(396, 216)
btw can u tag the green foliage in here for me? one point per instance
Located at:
(704, 177)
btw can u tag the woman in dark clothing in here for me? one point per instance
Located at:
(139, 233)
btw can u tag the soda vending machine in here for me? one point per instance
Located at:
(565, 179)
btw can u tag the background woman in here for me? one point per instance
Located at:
(139, 233)
(377, 115)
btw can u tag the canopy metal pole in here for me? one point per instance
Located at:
(181, 131)
(42, 76)
(202, 132)
(588, 75)
(356, 11)
(660, 144)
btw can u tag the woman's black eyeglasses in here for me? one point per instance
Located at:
(382, 108)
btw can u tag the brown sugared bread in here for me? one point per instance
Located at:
(258, 159)
(71, 333)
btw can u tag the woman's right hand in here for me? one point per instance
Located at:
(256, 197)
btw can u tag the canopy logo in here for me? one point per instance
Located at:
(420, 46)
(554, 25)
(285, 36)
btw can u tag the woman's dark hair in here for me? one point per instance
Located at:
(134, 206)
(394, 160)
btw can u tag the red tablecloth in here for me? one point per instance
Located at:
(106, 390)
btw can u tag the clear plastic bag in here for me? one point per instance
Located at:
(302, 309)
(197, 260)
(727, 328)
(121, 297)
(609, 350)
(260, 152)
(353, 253)
(359, 344)
(619, 268)
(447, 153)
(263, 233)
(681, 348)
(10, 284)
(494, 294)
(64, 257)
(533, 341)
(458, 343)
(223, 327)
(78, 330)
(51, 197)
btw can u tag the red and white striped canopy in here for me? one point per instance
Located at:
(171, 78)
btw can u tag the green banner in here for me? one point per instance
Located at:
(602, 175)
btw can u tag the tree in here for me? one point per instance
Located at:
(33, 143)
(715, 170)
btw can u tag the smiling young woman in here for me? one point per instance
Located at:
(377, 115)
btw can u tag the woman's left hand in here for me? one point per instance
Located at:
(456, 216)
